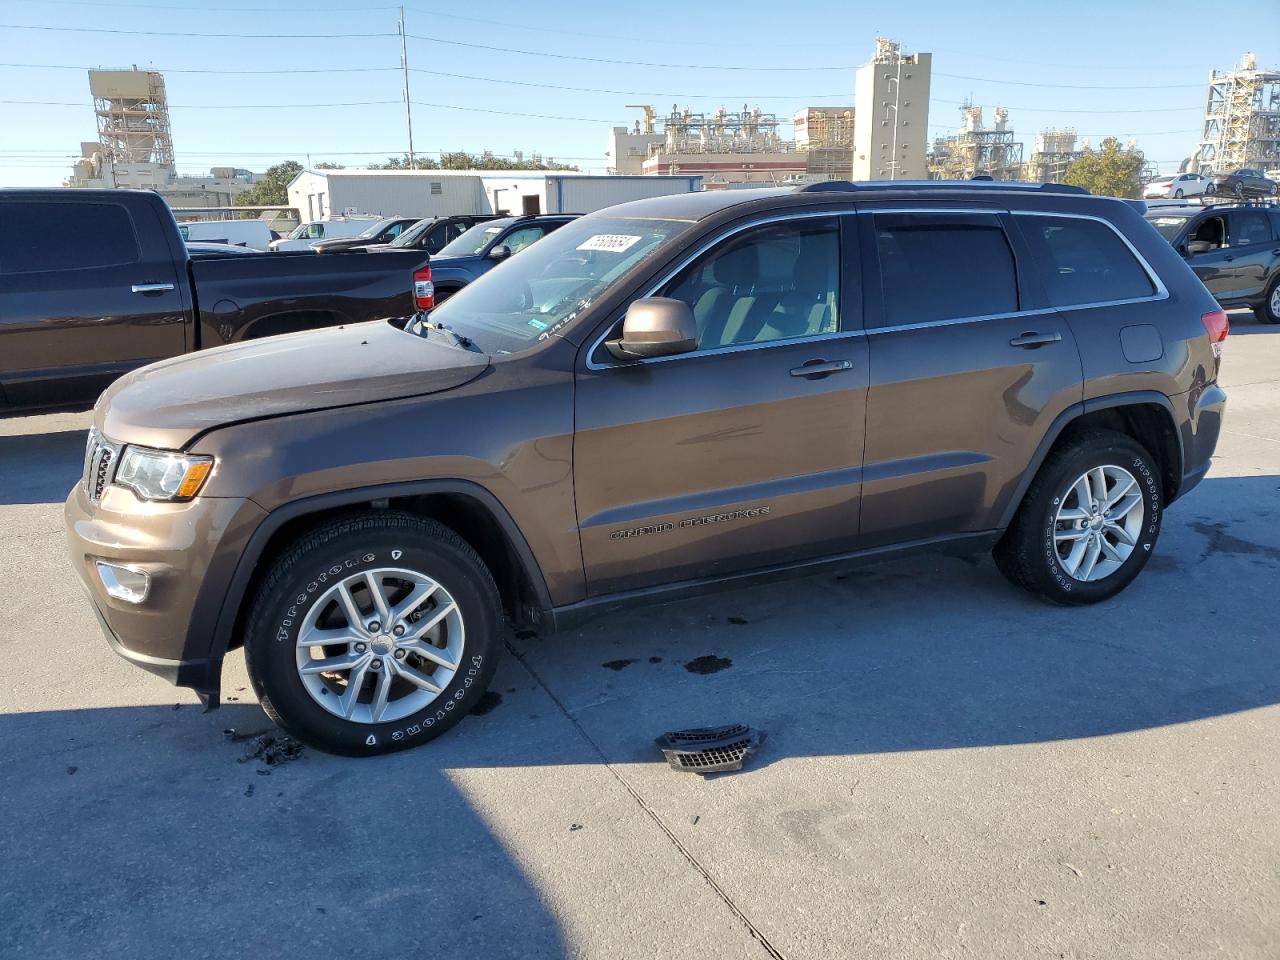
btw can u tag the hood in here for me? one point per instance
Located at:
(167, 404)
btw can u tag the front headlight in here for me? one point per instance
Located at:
(162, 474)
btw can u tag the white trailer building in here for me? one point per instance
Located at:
(428, 193)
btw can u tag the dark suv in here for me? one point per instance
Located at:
(1234, 250)
(664, 397)
(486, 245)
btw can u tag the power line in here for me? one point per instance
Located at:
(214, 36)
(1073, 86)
(220, 71)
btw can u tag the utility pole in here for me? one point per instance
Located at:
(408, 106)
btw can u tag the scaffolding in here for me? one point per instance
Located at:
(723, 131)
(1053, 151)
(977, 150)
(133, 116)
(825, 136)
(1241, 120)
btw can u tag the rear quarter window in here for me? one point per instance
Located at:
(42, 236)
(1083, 262)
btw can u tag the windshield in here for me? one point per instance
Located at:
(299, 231)
(1168, 226)
(370, 232)
(544, 287)
(471, 243)
(410, 236)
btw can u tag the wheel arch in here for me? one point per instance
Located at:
(293, 321)
(1146, 415)
(470, 510)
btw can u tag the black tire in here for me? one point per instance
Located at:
(1177, 194)
(1210, 189)
(1263, 311)
(351, 545)
(1240, 190)
(1027, 553)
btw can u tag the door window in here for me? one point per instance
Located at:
(777, 282)
(1211, 230)
(1083, 261)
(517, 240)
(65, 236)
(1249, 226)
(944, 267)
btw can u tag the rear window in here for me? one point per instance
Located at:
(1169, 227)
(1084, 261)
(39, 237)
(944, 268)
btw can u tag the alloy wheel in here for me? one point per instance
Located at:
(1098, 521)
(1275, 301)
(380, 645)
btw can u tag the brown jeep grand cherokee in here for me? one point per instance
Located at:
(662, 397)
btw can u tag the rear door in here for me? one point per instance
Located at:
(88, 291)
(1254, 250)
(1216, 267)
(748, 451)
(967, 372)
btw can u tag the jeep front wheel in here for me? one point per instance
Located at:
(1088, 523)
(374, 633)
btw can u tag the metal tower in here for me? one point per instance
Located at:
(133, 116)
(1241, 119)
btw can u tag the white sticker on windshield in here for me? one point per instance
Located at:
(612, 242)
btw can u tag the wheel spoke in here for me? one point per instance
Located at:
(416, 678)
(1073, 514)
(355, 681)
(1118, 492)
(379, 599)
(1121, 534)
(415, 599)
(1072, 560)
(1098, 485)
(346, 661)
(429, 652)
(349, 608)
(1092, 552)
(381, 690)
(423, 626)
(1111, 553)
(1070, 535)
(1124, 508)
(1083, 496)
(314, 637)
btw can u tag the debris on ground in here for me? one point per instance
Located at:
(737, 621)
(710, 749)
(617, 664)
(71, 770)
(708, 664)
(574, 826)
(272, 749)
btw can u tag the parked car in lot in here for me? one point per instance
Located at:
(664, 397)
(481, 248)
(1179, 185)
(305, 234)
(1246, 182)
(1234, 250)
(94, 283)
(434, 234)
(381, 231)
(254, 234)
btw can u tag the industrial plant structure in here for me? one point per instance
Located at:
(1241, 120)
(891, 104)
(978, 150)
(135, 145)
(1051, 154)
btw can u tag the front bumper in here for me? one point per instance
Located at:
(189, 550)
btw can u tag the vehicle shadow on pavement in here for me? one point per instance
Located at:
(145, 832)
(40, 468)
(932, 652)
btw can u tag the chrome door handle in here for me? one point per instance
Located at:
(815, 369)
(151, 287)
(1032, 340)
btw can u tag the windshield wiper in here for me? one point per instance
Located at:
(457, 339)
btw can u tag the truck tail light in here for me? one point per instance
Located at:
(1217, 327)
(424, 291)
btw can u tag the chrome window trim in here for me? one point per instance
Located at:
(1162, 292)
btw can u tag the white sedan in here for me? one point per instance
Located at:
(1179, 185)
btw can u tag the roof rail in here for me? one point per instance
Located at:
(981, 182)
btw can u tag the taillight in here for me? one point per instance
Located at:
(1217, 327)
(424, 291)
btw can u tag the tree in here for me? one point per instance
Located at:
(1110, 171)
(272, 188)
(326, 165)
(461, 160)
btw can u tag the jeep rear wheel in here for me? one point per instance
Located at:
(374, 633)
(1268, 311)
(1088, 523)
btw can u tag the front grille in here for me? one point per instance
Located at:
(100, 456)
(710, 749)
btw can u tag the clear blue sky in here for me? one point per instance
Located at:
(1008, 53)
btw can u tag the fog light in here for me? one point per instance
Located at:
(124, 583)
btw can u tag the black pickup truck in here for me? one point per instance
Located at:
(94, 283)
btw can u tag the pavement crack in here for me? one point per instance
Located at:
(755, 932)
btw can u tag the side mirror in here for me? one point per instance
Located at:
(500, 252)
(656, 327)
(1198, 246)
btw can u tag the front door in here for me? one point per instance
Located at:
(1216, 267)
(746, 452)
(1254, 250)
(964, 383)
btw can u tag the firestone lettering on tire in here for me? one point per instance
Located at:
(282, 634)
